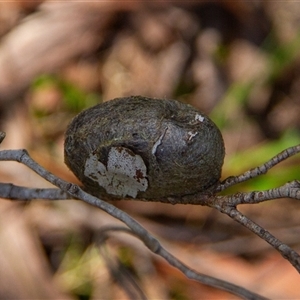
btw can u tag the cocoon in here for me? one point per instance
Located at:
(144, 148)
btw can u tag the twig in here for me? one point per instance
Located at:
(153, 244)
(14, 192)
(289, 190)
(224, 206)
(262, 169)
(107, 229)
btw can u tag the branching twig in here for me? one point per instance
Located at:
(225, 204)
(288, 190)
(262, 169)
(153, 244)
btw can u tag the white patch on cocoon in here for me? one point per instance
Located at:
(191, 135)
(199, 118)
(125, 174)
(158, 142)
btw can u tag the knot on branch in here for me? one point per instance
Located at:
(72, 189)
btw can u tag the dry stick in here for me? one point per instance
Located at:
(14, 192)
(289, 190)
(153, 244)
(220, 203)
(262, 169)
(224, 204)
(227, 204)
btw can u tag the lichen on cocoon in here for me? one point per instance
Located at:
(125, 174)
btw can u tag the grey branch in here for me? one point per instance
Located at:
(224, 206)
(14, 192)
(262, 169)
(153, 244)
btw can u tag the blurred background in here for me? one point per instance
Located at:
(237, 61)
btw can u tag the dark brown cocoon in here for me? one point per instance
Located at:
(144, 148)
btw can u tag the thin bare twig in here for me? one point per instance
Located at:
(14, 192)
(289, 190)
(223, 205)
(153, 244)
(262, 169)
(287, 252)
